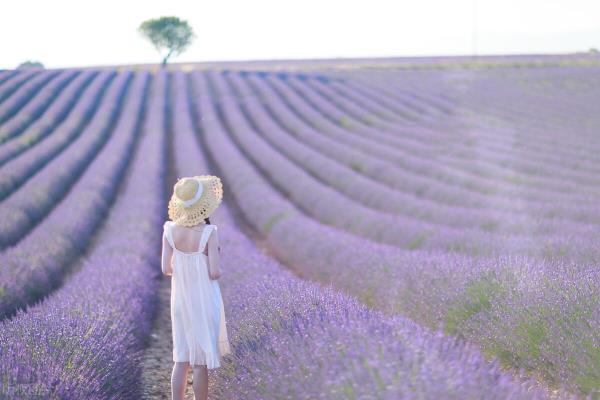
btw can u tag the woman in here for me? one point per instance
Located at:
(190, 255)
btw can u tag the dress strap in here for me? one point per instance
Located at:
(167, 232)
(204, 238)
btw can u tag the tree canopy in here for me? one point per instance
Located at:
(29, 64)
(168, 33)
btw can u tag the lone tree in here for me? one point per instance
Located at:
(169, 33)
(29, 64)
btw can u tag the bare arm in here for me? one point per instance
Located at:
(214, 260)
(167, 255)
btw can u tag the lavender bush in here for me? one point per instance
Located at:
(37, 263)
(35, 107)
(65, 104)
(85, 340)
(24, 93)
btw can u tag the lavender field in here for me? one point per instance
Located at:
(390, 230)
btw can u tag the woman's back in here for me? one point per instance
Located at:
(187, 239)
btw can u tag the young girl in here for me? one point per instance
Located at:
(190, 255)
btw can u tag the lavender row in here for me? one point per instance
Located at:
(24, 94)
(86, 340)
(401, 144)
(24, 206)
(57, 111)
(529, 104)
(36, 195)
(562, 303)
(312, 342)
(373, 106)
(391, 195)
(36, 106)
(14, 81)
(479, 85)
(5, 75)
(443, 187)
(416, 283)
(36, 265)
(403, 154)
(326, 204)
(501, 152)
(24, 166)
(315, 343)
(484, 135)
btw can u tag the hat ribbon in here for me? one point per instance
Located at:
(196, 197)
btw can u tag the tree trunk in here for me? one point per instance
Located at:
(164, 61)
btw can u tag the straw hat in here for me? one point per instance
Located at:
(195, 198)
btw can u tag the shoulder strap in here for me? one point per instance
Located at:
(204, 238)
(167, 228)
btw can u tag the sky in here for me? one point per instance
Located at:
(67, 33)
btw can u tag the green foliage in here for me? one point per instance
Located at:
(168, 33)
(478, 297)
(345, 122)
(590, 381)
(417, 241)
(31, 65)
(356, 166)
(490, 226)
(272, 221)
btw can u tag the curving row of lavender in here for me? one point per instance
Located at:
(49, 121)
(510, 104)
(273, 119)
(24, 166)
(20, 209)
(412, 176)
(537, 169)
(296, 339)
(533, 314)
(545, 194)
(318, 197)
(35, 265)
(468, 172)
(491, 155)
(24, 90)
(36, 106)
(85, 341)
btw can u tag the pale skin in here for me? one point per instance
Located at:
(186, 239)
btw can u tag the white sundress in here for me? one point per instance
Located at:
(197, 312)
